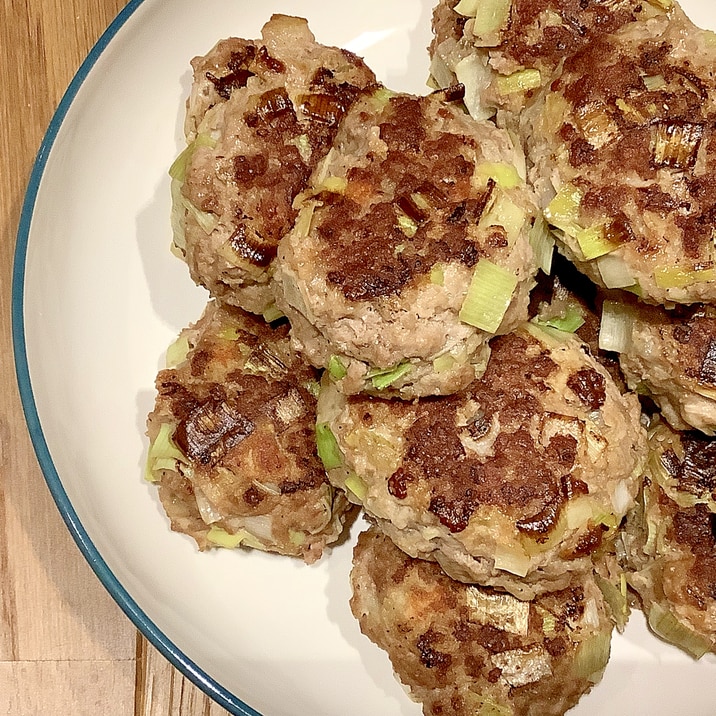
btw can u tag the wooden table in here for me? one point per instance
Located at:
(66, 649)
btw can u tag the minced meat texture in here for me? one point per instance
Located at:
(581, 22)
(617, 126)
(532, 489)
(376, 250)
(695, 472)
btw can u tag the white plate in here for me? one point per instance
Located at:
(97, 297)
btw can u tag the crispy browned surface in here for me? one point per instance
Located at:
(277, 103)
(243, 416)
(453, 657)
(364, 250)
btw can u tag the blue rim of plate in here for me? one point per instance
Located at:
(90, 552)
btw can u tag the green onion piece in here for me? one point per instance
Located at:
(334, 185)
(382, 378)
(491, 16)
(229, 334)
(488, 296)
(272, 313)
(162, 449)
(178, 168)
(221, 538)
(382, 96)
(504, 212)
(467, 8)
(572, 319)
(520, 81)
(542, 243)
(614, 272)
(313, 387)
(177, 352)
(504, 175)
(437, 275)
(327, 446)
(665, 625)
(177, 220)
(443, 363)
(662, 4)
(594, 243)
(512, 559)
(615, 599)
(407, 225)
(563, 210)
(617, 326)
(474, 75)
(336, 368)
(592, 657)
(356, 485)
(654, 82)
(296, 538)
(677, 277)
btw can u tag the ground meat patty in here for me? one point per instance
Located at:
(672, 540)
(232, 449)
(412, 248)
(464, 650)
(514, 482)
(671, 356)
(260, 116)
(503, 57)
(625, 137)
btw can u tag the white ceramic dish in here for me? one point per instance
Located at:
(97, 297)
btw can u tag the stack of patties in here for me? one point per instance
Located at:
(261, 115)
(619, 139)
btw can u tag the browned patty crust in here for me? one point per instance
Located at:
(525, 473)
(464, 650)
(261, 115)
(233, 447)
(672, 539)
(625, 135)
(671, 355)
(536, 36)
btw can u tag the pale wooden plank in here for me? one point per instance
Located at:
(163, 691)
(39, 688)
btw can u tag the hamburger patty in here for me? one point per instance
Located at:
(260, 117)
(415, 209)
(514, 482)
(232, 440)
(464, 650)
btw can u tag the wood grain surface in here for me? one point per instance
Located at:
(65, 647)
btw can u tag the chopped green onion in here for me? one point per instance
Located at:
(336, 368)
(616, 599)
(327, 446)
(407, 225)
(467, 8)
(473, 73)
(654, 82)
(443, 363)
(382, 378)
(161, 450)
(504, 175)
(221, 538)
(178, 168)
(504, 212)
(334, 185)
(592, 657)
(177, 351)
(569, 322)
(491, 16)
(356, 485)
(229, 334)
(520, 81)
(614, 272)
(272, 313)
(542, 243)
(678, 277)
(488, 296)
(437, 275)
(617, 326)
(662, 4)
(665, 625)
(594, 243)
(563, 210)
(512, 559)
